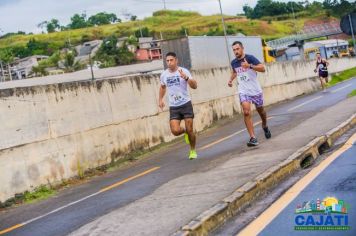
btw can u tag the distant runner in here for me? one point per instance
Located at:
(177, 80)
(244, 67)
(322, 69)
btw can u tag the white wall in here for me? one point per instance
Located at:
(55, 132)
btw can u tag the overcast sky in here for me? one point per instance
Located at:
(24, 15)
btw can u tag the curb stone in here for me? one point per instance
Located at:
(244, 195)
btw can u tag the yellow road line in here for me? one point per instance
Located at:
(80, 200)
(257, 226)
(304, 103)
(128, 179)
(229, 136)
(336, 90)
(11, 229)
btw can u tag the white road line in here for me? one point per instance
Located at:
(229, 136)
(336, 90)
(304, 103)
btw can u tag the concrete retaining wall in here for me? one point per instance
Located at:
(55, 132)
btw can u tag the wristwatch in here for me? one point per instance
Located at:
(186, 78)
(251, 66)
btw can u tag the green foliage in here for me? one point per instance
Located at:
(352, 94)
(78, 21)
(339, 8)
(133, 18)
(70, 63)
(145, 32)
(53, 25)
(183, 31)
(347, 74)
(273, 8)
(112, 55)
(37, 47)
(85, 38)
(6, 55)
(215, 32)
(175, 13)
(39, 70)
(103, 18)
(40, 193)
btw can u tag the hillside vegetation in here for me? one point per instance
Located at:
(170, 24)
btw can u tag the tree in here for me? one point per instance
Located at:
(42, 25)
(78, 21)
(70, 63)
(37, 47)
(112, 55)
(248, 11)
(53, 25)
(133, 18)
(103, 18)
(144, 31)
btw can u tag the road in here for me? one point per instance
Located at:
(334, 177)
(77, 206)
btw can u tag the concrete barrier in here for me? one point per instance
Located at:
(54, 132)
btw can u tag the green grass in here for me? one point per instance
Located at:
(170, 23)
(352, 94)
(40, 193)
(339, 77)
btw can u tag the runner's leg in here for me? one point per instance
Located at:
(322, 83)
(176, 129)
(190, 131)
(246, 108)
(261, 111)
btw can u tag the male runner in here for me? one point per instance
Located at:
(322, 69)
(245, 67)
(177, 79)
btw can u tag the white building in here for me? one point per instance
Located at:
(329, 48)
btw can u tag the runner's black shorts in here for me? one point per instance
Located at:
(323, 74)
(181, 112)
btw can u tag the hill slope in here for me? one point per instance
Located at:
(171, 24)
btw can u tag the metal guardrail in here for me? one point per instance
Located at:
(315, 31)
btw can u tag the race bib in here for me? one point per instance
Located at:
(177, 98)
(243, 77)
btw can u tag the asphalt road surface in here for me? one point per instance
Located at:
(79, 205)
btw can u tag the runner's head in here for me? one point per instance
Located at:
(318, 55)
(172, 60)
(238, 49)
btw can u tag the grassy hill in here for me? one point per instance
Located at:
(171, 24)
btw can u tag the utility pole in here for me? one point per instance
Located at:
(225, 34)
(164, 5)
(91, 66)
(352, 32)
(295, 21)
(2, 72)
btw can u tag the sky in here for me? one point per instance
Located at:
(25, 15)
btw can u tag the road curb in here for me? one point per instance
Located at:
(244, 195)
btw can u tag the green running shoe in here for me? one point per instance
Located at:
(193, 155)
(186, 138)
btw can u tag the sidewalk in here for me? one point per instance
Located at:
(177, 202)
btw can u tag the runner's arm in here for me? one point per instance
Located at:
(232, 77)
(327, 63)
(162, 92)
(258, 67)
(192, 83)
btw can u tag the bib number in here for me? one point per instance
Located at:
(243, 78)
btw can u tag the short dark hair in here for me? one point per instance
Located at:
(318, 53)
(237, 42)
(172, 54)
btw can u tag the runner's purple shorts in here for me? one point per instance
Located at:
(256, 99)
